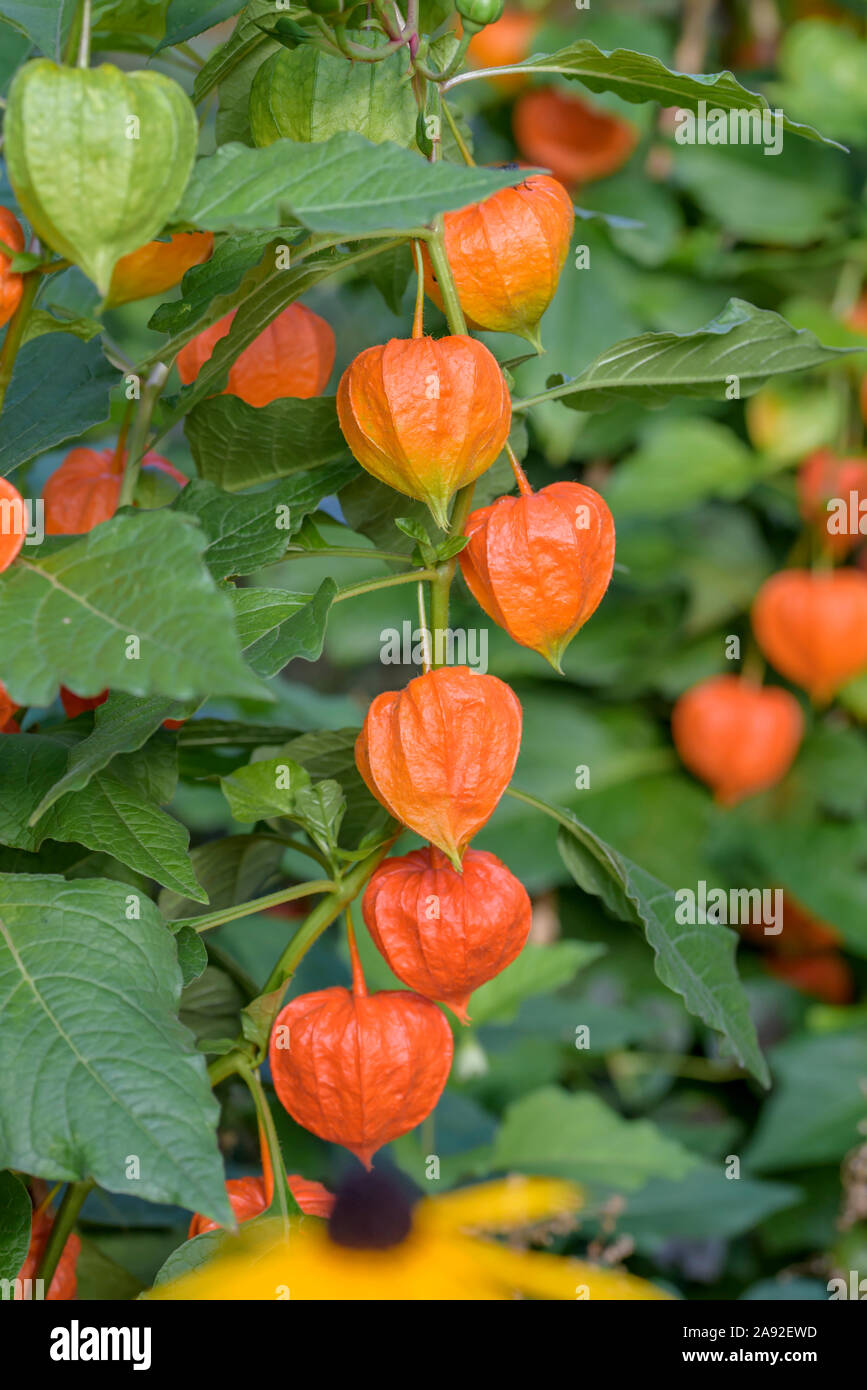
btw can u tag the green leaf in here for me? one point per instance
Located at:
(67, 616)
(15, 1214)
(192, 955)
(816, 1111)
(330, 753)
(59, 390)
(679, 463)
(344, 185)
(242, 42)
(211, 285)
(264, 789)
(115, 813)
(186, 18)
(98, 158)
(537, 970)
(741, 348)
(121, 725)
(231, 870)
(276, 626)
(391, 273)
(46, 22)
(703, 1204)
(579, 1138)
(304, 94)
(320, 810)
(41, 322)
(236, 445)
(246, 533)
(94, 1066)
(697, 962)
(638, 77)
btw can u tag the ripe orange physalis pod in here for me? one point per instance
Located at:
(825, 477)
(293, 356)
(425, 415)
(8, 725)
(11, 283)
(157, 266)
(440, 753)
(248, 1197)
(812, 626)
(360, 1069)
(506, 255)
(74, 705)
(64, 1282)
(539, 564)
(826, 976)
(13, 523)
(445, 933)
(576, 141)
(84, 491)
(738, 737)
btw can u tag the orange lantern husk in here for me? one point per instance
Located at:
(506, 255)
(64, 1281)
(11, 282)
(738, 737)
(360, 1069)
(426, 416)
(440, 754)
(445, 933)
(539, 564)
(812, 627)
(578, 142)
(827, 976)
(85, 490)
(293, 356)
(249, 1197)
(824, 477)
(14, 514)
(157, 266)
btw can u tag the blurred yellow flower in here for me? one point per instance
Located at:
(436, 1256)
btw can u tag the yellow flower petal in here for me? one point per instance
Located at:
(502, 1206)
(558, 1277)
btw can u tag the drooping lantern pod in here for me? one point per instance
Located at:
(293, 356)
(825, 478)
(249, 1197)
(360, 1069)
(13, 532)
(85, 490)
(539, 564)
(440, 753)
(8, 708)
(11, 282)
(578, 142)
(427, 416)
(812, 626)
(506, 255)
(738, 737)
(64, 1281)
(157, 266)
(445, 933)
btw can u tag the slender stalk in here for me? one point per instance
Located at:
(67, 1215)
(348, 552)
(359, 986)
(367, 586)
(84, 41)
(445, 280)
(418, 315)
(190, 53)
(323, 914)
(422, 617)
(231, 914)
(15, 332)
(139, 432)
(229, 1064)
(458, 138)
(520, 476)
(269, 1142)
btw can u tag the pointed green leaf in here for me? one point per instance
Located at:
(237, 445)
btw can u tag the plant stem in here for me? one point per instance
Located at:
(15, 332)
(445, 280)
(348, 552)
(458, 138)
(367, 586)
(139, 432)
(323, 914)
(268, 1134)
(84, 41)
(418, 316)
(441, 584)
(520, 476)
(231, 914)
(67, 1215)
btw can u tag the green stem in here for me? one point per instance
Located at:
(323, 915)
(456, 135)
(300, 848)
(84, 41)
(445, 280)
(15, 332)
(139, 432)
(231, 914)
(67, 1215)
(190, 53)
(348, 552)
(269, 1132)
(230, 1064)
(367, 586)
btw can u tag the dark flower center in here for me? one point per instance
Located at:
(373, 1211)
